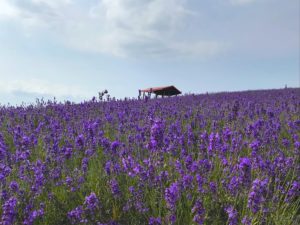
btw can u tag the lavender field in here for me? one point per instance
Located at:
(215, 159)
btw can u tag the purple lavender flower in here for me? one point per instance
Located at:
(4, 171)
(3, 148)
(232, 215)
(245, 170)
(255, 145)
(4, 195)
(14, 186)
(85, 164)
(76, 214)
(9, 211)
(162, 177)
(156, 134)
(212, 143)
(33, 216)
(200, 183)
(213, 187)
(115, 189)
(245, 163)
(233, 185)
(39, 178)
(172, 195)
(68, 152)
(114, 146)
(172, 219)
(294, 191)
(155, 221)
(257, 194)
(89, 152)
(80, 140)
(188, 162)
(91, 202)
(108, 168)
(246, 221)
(187, 181)
(199, 212)
(69, 181)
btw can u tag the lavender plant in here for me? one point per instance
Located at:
(225, 158)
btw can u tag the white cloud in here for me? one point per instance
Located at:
(241, 2)
(7, 10)
(207, 48)
(52, 3)
(117, 27)
(34, 13)
(36, 87)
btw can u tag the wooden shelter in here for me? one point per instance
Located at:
(162, 91)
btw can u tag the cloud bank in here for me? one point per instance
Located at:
(35, 88)
(241, 2)
(116, 27)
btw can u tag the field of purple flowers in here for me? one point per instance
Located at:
(215, 159)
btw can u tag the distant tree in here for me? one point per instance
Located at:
(101, 94)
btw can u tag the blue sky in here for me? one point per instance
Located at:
(71, 49)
